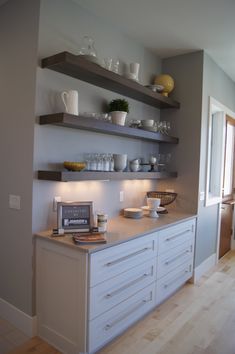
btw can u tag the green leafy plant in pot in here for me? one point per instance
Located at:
(118, 110)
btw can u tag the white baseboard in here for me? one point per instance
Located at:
(18, 318)
(233, 244)
(206, 265)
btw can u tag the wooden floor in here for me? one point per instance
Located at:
(198, 319)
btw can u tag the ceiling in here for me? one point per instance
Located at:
(172, 27)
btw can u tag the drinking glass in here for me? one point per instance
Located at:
(87, 158)
(108, 63)
(168, 126)
(115, 66)
(164, 127)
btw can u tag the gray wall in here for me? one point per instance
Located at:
(197, 77)
(62, 28)
(186, 124)
(18, 38)
(218, 85)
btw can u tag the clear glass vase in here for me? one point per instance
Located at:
(87, 47)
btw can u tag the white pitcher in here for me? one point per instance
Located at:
(70, 100)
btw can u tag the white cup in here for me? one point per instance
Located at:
(134, 70)
(153, 203)
(70, 101)
(120, 162)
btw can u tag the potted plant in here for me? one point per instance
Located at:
(118, 110)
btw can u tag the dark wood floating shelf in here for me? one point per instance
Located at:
(95, 125)
(68, 176)
(82, 69)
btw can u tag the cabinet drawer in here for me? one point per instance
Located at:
(108, 294)
(176, 235)
(168, 261)
(172, 281)
(115, 260)
(115, 321)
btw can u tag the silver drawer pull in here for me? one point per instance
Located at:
(176, 257)
(177, 235)
(121, 318)
(119, 260)
(115, 292)
(175, 279)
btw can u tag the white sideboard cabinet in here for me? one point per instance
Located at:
(86, 299)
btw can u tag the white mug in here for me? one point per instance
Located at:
(70, 101)
(134, 70)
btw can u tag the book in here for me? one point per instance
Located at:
(89, 238)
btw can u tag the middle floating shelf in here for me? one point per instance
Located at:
(99, 126)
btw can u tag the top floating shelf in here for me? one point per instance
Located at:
(77, 67)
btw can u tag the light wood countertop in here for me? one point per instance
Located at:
(121, 229)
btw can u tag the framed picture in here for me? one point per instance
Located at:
(75, 216)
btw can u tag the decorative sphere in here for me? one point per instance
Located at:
(166, 81)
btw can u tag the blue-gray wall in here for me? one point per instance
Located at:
(62, 27)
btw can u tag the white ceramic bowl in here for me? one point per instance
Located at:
(134, 167)
(153, 203)
(120, 161)
(147, 123)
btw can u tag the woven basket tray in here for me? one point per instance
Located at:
(166, 197)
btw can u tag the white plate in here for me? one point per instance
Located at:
(146, 208)
(133, 210)
(155, 88)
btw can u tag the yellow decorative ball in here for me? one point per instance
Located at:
(166, 81)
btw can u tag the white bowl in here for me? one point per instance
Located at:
(147, 123)
(134, 167)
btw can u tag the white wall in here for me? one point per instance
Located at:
(18, 38)
(62, 28)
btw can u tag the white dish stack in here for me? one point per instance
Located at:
(133, 213)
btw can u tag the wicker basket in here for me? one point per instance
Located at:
(166, 197)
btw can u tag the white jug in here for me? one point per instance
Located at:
(70, 100)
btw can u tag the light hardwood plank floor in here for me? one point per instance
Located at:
(198, 319)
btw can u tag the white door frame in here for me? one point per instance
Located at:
(227, 111)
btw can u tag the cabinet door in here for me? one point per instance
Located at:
(170, 260)
(61, 274)
(110, 293)
(109, 325)
(176, 235)
(115, 260)
(168, 284)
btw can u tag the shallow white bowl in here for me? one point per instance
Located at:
(147, 123)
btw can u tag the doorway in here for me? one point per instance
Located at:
(228, 198)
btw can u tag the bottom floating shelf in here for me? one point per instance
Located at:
(70, 176)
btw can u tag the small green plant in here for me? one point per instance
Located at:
(119, 105)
